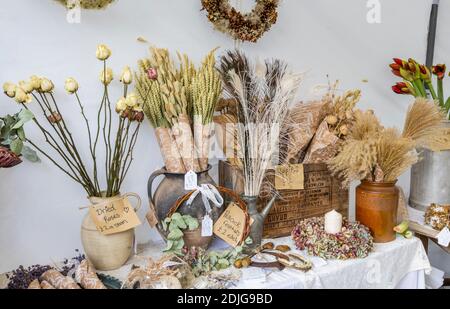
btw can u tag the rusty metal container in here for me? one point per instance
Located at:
(376, 208)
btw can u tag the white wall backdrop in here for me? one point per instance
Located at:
(39, 216)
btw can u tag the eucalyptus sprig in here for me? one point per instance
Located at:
(175, 225)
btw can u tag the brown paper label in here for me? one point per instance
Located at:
(114, 217)
(231, 225)
(289, 177)
(151, 218)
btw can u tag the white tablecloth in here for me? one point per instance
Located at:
(398, 264)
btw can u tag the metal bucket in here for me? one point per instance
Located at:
(430, 178)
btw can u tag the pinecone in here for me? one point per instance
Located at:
(8, 158)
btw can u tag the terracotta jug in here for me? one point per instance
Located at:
(376, 208)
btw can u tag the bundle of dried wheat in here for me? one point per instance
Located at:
(378, 154)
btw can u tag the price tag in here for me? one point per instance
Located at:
(151, 218)
(207, 226)
(444, 237)
(114, 217)
(231, 225)
(190, 181)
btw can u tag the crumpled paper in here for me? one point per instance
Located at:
(324, 145)
(59, 281)
(87, 277)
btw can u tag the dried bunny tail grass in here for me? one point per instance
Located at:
(366, 126)
(395, 154)
(423, 124)
(355, 161)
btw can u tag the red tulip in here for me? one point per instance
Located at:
(396, 73)
(395, 66)
(399, 61)
(396, 89)
(439, 71)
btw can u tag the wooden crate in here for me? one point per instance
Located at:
(322, 193)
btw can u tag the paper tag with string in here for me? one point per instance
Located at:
(207, 226)
(190, 181)
(444, 237)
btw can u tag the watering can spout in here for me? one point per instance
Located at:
(268, 207)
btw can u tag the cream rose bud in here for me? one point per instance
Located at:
(132, 100)
(138, 108)
(9, 89)
(35, 81)
(106, 77)
(26, 86)
(103, 52)
(46, 85)
(127, 76)
(71, 85)
(22, 96)
(121, 105)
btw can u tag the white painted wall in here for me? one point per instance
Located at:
(39, 216)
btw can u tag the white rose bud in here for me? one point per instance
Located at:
(132, 100)
(121, 105)
(127, 76)
(46, 85)
(9, 89)
(71, 85)
(35, 81)
(107, 77)
(22, 96)
(103, 52)
(26, 86)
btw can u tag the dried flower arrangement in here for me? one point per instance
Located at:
(355, 240)
(175, 226)
(438, 216)
(263, 93)
(179, 103)
(417, 78)
(86, 4)
(119, 151)
(248, 27)
(12, 139)
(378, 154)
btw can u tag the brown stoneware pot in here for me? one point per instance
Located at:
(376, 208)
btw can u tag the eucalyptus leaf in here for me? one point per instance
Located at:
(176, 216)
(30, 154)
(21, 134)
(192, 223)
(223, 262)
(26, 115)
(175, 234)
(173, 226)
(169, 246)
(180, 223)
(16, 146)
(248, 241)
(179, 244)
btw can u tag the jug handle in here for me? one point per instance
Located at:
(138, 199)
(152, 178)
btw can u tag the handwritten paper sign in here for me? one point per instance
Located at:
(289, 177)
(231, 225)
(114, 217)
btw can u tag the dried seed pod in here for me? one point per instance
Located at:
(344, 130)
(268, 246)
(238, 263)
(246, 262)
(283, 248)
(331, 120)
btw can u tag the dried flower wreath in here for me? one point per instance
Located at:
(86, 4)
(245, 27)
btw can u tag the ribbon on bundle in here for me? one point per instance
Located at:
(209, 194)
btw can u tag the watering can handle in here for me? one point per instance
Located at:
(152, 178)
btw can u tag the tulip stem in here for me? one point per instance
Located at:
(432, 91)
(441, 92)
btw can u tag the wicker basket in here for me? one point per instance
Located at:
(194, 238)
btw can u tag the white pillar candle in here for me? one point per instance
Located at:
(333, 222)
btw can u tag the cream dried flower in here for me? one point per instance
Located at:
(35, 81)
(26, 86)
(121, 105)
(126, 76)
(9, 89)
(103, 52)
(21, 96)
(46, 85)
(71, 85)
(106, 77)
